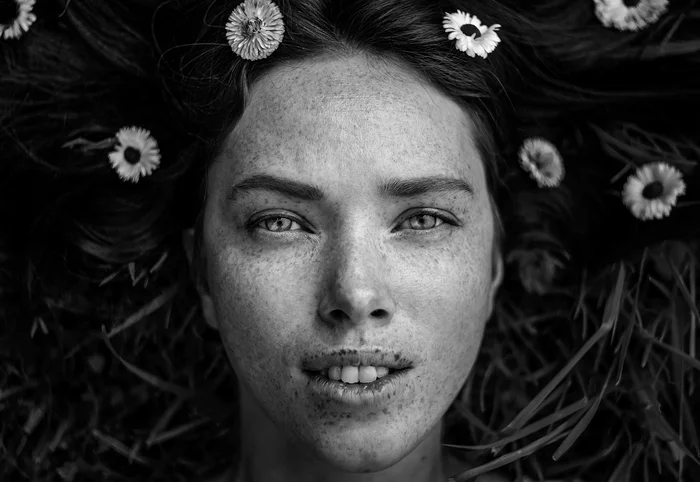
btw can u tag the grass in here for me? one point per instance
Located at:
(615, 398)
(597, 381)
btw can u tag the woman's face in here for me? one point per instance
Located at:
(325, 230)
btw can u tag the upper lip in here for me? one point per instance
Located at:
(355, 357)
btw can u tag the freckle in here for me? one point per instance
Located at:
(396, 357)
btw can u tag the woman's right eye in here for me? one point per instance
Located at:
(276, 224)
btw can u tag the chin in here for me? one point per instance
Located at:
(361, 456)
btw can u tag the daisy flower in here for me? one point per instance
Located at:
(652, 191)
(255, 29)
(542, 160)
(629, 14)
(15, 18)
(135, 155)
(472, 37)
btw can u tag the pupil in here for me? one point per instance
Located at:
(132, 156)
(470, 30)
(653, 190)
(8, 11)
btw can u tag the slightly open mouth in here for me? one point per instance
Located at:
(324, 373)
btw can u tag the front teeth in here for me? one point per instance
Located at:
(353, 374)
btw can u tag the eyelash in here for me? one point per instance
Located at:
(254, 224)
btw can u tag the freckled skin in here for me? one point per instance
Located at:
(345, 124)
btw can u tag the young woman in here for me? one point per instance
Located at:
(336, 176)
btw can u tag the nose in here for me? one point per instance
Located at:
(356, 290)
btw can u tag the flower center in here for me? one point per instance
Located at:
(132, 155)
(631, 3)
(542, 160)
(253, 26)
(470, 30)
(653, 190)
(8, 11)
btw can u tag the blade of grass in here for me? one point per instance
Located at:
(663, 430)
(5, 394)
(513, 456)
(582, 423)
(672, 48)
(144, 311)
(533, 407)
(60, 432)
(150, 378)
(565, 467)
(175, 432)
(159, 263)
(625, 343)
(694, 320)
(610, 315)
(164, 420)
(530, 429)
(684, 356)
(474, 420)
(119, 447)
(689, 298)
(624, 468)
(650, 345)
(109, 277)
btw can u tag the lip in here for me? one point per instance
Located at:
(371, 395)
(353, 357)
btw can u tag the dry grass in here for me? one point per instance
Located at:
(597, 381)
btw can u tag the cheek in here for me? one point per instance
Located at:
(256, 309)
(448, 297)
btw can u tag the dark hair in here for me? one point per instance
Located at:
(212, 83)
(76, 240)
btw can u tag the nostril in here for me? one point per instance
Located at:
(338, 315)
(379, 313)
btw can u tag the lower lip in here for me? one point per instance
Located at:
(375, 394)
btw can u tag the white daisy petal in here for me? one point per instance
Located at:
(19, 21)
(482, 41)
(616, 14)
(653, 190)
(541, 159)
(255, 29)
(136, 154)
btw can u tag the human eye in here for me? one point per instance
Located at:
(425, 221)
(274, 223)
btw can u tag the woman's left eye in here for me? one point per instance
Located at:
(275, 224)
(423, 222)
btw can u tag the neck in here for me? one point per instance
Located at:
(267, 455)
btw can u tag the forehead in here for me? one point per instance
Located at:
(349, 112)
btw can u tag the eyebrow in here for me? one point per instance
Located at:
(391, 188)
